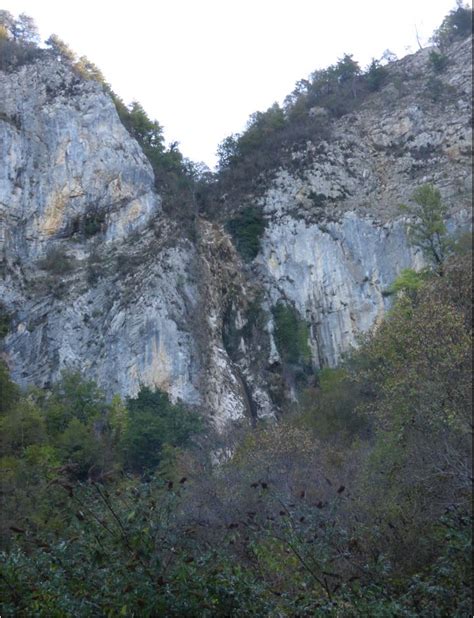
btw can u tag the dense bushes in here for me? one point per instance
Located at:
(18, 41)
(249, 158)
(154, 422)
(457, 25)
(270, 136)
(246, 229)
(355, 504)
(332, 409)
(74, 428)
(291, 336)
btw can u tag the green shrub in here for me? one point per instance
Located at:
(291, 335)
(331, 412)
(153, 422)
(78, 446)
(19, 40)
(73, 397)
(408, 282)
(5, 321)
(21, 427)
(93, 223)
(428, 230)
(439, 62)
(462, 244)
(439, 91)
(376, 75)
(57, 262)
(247, 228)
(9, 392)
(456, 26)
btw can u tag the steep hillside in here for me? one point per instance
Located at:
(96, 276)
(334, 239)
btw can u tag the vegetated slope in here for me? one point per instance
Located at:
(355, 505)
(318, 218)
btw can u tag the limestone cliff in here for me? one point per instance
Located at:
(97, 277)
(335, 239)
(94, 275)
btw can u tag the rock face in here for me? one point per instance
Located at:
(66, 156)
(335, 275)
(335, 239)
(97, 277)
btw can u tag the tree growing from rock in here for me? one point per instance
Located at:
(428, 229)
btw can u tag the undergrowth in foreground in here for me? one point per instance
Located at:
(356, 504)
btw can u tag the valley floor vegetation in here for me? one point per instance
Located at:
(356, 503)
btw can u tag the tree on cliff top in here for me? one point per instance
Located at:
(457, 25)
(21, 30)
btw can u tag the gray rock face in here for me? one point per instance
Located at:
(335, 239)
(98, 278)
(397, 140)
(335, 275)
(66, 154)
(122, 302)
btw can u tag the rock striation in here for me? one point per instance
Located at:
(66, 156)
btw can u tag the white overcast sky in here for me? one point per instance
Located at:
(201, 67)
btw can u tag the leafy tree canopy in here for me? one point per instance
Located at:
(153, 422)
(428, 230)
(456, 25)
(74, 398)
(21, 30)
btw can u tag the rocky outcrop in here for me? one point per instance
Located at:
(416, 130)
(97, 277)
(67, 161)
(232, 390)
(335, 238)
(335, 275)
